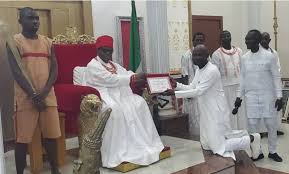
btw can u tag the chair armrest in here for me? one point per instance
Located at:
(69, 96)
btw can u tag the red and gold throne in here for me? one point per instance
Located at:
(69, 95)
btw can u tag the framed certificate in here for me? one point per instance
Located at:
(285, 83)
(158, 84)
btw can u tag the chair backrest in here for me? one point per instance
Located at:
(70, 56)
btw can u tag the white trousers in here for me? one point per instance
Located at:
(262, 128)
(239, 121)
(271, 124)
(191, 107)
(242, 143)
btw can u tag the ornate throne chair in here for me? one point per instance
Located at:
(72, 50)
(69, 95)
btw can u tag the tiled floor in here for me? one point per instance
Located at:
(283, 151)
(185, 153)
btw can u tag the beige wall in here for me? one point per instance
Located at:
(234, 16)
(178, 32)
(261, 17)
(241, 16)
(283, 30)
(283, 37)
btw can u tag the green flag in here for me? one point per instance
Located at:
(134, 44)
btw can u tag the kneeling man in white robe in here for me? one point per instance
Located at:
(215, 129)
(130, 134)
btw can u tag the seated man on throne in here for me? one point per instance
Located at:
(130, 134)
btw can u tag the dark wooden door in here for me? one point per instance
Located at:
(211, 26)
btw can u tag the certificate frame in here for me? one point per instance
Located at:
(158, 83)
(285, 83)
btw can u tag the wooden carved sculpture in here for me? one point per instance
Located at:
(92, 124)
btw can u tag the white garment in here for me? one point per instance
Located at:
(260, 83)
(261, 86)
(130, 134)
(228, 63)
(213, 107)
(79, 76)
(242, 143)
(262, 127)
(190, 105)
(271, 125)
(274, 52)
(238, 121)
(2, 160)
(188, 68)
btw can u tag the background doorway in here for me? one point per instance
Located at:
(211, 26)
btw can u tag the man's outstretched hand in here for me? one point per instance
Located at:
(278, 104)
(168, 92)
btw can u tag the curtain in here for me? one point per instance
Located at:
(158, 36)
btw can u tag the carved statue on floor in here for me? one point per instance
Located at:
(92, 124)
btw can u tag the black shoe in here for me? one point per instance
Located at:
(275, 157)
(261, 156)
(263, 134)
(280, 133)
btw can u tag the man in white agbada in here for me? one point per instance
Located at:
(188, 73)
(265, 44)
(227, 59)
(261, 86)
(130, 134)
(215, 130)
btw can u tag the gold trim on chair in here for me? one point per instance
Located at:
(71, 37)
(126, 166)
